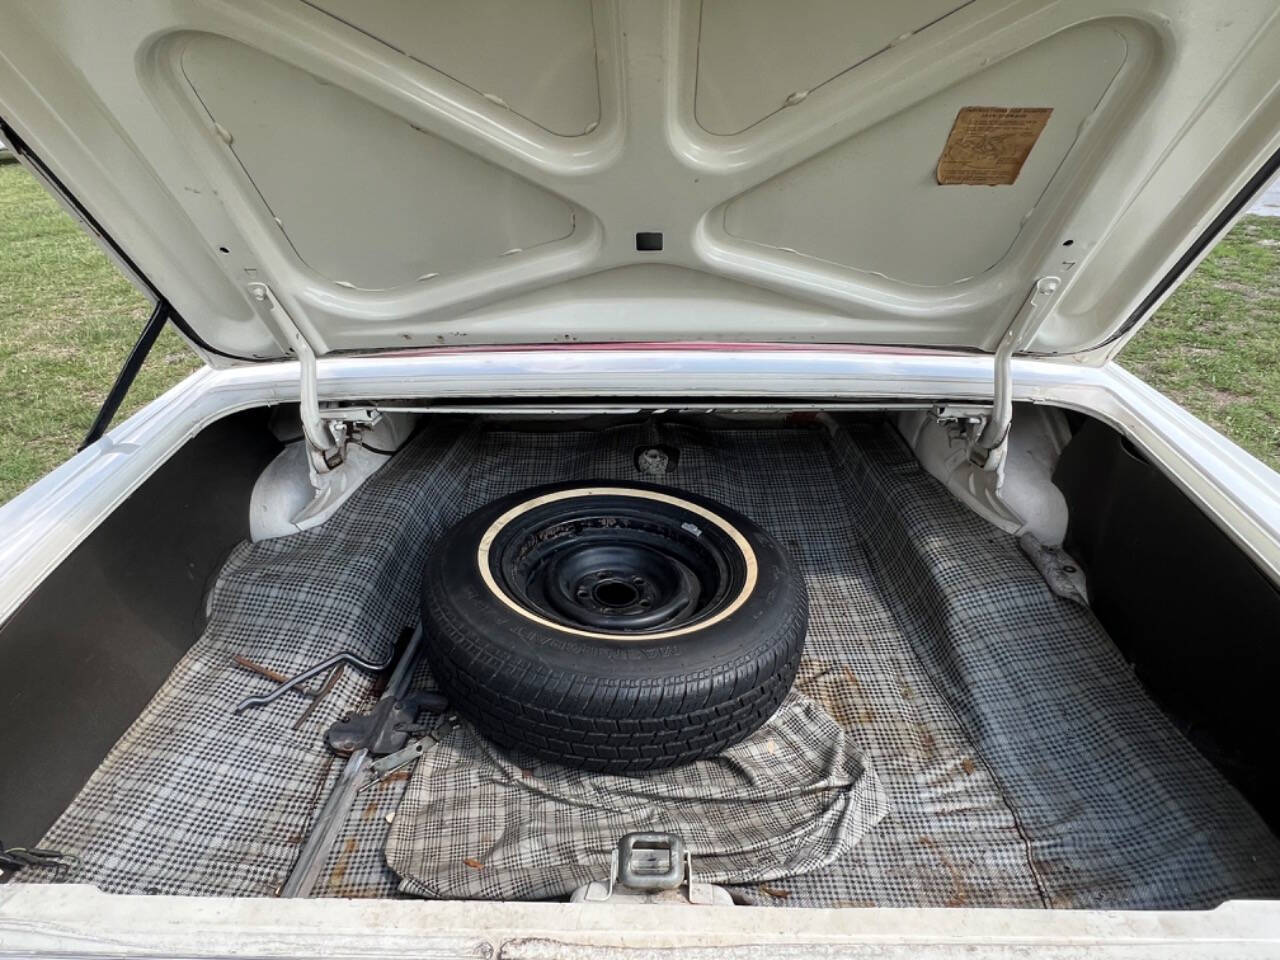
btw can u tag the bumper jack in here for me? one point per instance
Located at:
(385, 729)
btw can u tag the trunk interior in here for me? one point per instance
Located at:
(1031, 749)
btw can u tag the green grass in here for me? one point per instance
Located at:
(1214, 346)
(67, 320)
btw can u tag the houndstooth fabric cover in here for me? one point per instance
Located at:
(194, 799)
(1023, 764)
(478, 822)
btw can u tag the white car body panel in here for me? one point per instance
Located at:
(78, 921)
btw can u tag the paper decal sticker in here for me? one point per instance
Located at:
(989, 145)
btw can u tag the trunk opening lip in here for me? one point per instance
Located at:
(52, 516)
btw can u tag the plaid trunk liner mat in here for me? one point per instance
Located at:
(478, 822)
(1022, 763)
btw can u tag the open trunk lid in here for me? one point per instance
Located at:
(397, 175)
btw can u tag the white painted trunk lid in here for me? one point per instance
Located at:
(407, 175)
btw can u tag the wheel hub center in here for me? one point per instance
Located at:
(615, 593)
(615, 583)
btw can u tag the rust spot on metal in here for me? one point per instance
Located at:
(473, 863)
(802, 416)
(259, 669)
(330, 682)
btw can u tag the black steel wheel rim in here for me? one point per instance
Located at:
(617, 565)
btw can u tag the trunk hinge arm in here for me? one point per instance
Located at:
(965, 446)
(988, 450)
(335, 464)
(326, 441)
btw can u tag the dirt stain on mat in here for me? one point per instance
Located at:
(967, 765)
(960, 895)
(473, 863)
(371, 810)
(928, 742)
(776, 892)
(836, 689)
(395, 777)
(344, 861)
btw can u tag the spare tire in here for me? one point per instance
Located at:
(614, 627)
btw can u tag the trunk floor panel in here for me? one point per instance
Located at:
(1024, 764)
